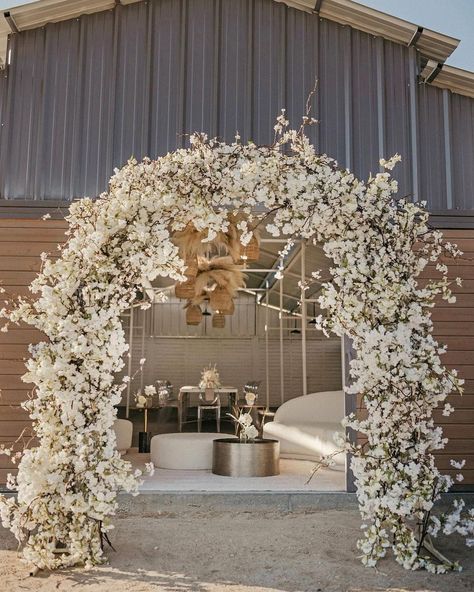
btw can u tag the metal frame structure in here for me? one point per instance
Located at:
(274, 278)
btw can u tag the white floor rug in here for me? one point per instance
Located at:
(293, 477)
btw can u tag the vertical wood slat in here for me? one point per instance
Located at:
(21, 243)
(454, 327)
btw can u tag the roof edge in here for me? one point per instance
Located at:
(432, 45)
(456, 80)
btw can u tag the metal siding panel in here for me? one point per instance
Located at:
(235, 72)
(24, 115)
(82, 96)
(61, 70)
(462, 151)
(432, 163)
(200, 97)
(332, 54)
(397, 121)
(97, 103)
(365, 139)
(302, 35)
(268, 68)
(168, 38)
(3, 123)
(131, 105)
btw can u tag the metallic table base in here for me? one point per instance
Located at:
(232, 458)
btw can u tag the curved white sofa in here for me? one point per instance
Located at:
(305, 426)
(123, 429)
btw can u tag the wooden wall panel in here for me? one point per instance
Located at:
(21, 243)
(454, 327)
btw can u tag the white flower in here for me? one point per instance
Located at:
(141, 400)
(123, 240)
(390, 164)
(447, 410)
(251, 432)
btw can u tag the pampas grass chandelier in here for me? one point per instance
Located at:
(214, 271)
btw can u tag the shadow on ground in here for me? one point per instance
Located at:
(242, 552)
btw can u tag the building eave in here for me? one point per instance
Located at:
(431, 44)
(456, 80)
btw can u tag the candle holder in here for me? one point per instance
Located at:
(145, 436)
(144, 439)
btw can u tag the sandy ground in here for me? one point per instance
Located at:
(211, 552)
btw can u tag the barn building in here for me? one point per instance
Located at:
(85, 85)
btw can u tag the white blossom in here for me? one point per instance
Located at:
(121, 242)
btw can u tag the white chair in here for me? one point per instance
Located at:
(305, 426)
(123, 429)
(184, 451)
(209, 403)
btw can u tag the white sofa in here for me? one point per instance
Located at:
(305, 426)
(123, 429)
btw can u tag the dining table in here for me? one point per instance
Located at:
(186, 392)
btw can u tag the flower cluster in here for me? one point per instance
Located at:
(210, 378)
(247, 431)
(145, 400)
(119, 243)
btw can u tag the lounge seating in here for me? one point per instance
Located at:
(123, 434)
(185, 451)
(305, 426)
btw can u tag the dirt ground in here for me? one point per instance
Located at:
(258, 552)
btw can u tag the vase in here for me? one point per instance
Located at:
(250, 398)
(209, 395)
(144, 439)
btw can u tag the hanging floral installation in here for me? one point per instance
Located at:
(118, 244)
(213, 269)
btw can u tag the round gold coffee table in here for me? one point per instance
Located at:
(233, 458)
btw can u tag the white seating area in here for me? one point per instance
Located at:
(183, 451)
(123, 429)
(213, 359)
(305, 426)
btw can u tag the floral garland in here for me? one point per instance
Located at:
(118, 244)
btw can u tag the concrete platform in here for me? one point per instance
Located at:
(163, 503)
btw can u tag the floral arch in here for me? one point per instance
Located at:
(121, 242)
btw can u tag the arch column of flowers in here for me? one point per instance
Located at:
(119, 243)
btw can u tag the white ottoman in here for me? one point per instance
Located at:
(123, 429)
(183, 450)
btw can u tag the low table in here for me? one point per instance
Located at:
(233, 458)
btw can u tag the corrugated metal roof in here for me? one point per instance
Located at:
(430, 43)
(83, 95)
